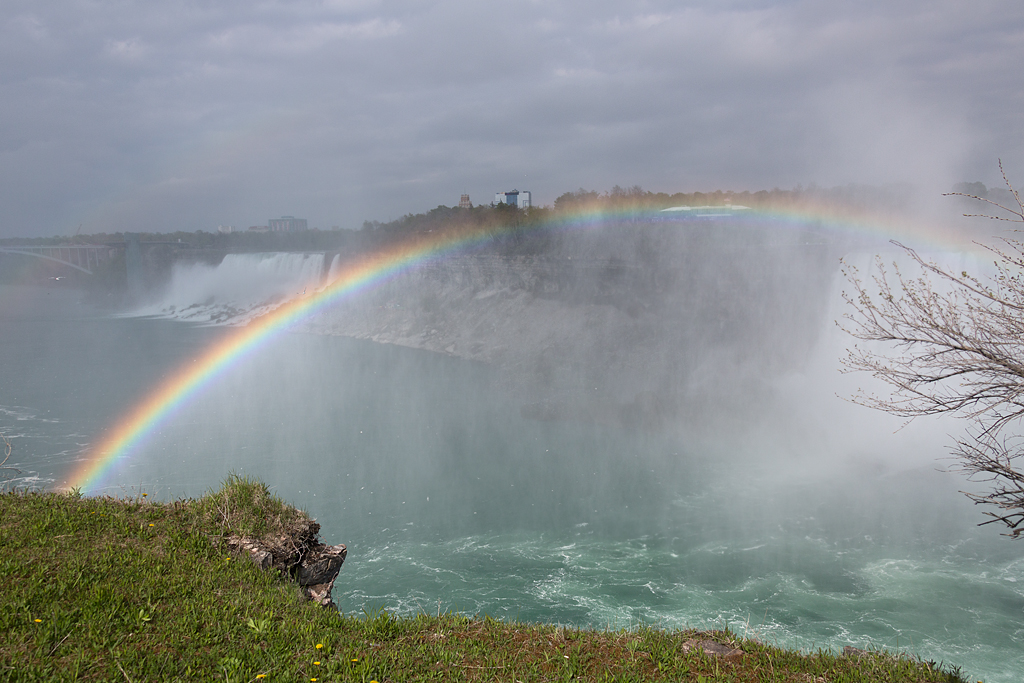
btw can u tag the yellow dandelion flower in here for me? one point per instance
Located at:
(259, 676)
(316, 663)
(319, 646)
(355, 659)
(39, 621)
(144, 495)
(313, 679)
(152, 524)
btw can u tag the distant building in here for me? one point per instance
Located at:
(259, 228)
(514, 198)
(225, 229)
(464, 202)
(287, 224)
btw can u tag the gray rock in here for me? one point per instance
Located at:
(321, 566)
(714, 648)
(298, 554)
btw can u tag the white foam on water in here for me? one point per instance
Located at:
(599, 582)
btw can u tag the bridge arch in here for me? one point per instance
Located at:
(76, 254)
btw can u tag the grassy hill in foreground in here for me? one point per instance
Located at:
(104, 589)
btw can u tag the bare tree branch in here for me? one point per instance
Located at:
(1016, 196)
(953, 344)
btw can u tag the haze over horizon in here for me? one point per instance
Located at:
(130, 116)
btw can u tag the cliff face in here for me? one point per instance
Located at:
(631, 326)
(298, 553)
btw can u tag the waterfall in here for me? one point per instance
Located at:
(239, 288)
(332, 273)
(814, 400)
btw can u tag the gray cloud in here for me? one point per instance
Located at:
(186, 115)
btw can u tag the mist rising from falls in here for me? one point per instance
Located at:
(643, 326)
(814, 402)
(238, 289)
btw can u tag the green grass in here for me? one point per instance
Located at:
(104, 589)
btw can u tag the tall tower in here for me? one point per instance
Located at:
(464, 202)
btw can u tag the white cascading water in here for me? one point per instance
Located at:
(332, 273)
(238, 289)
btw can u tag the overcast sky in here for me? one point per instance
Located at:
(175, 115)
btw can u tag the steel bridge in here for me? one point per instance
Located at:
(83, 257)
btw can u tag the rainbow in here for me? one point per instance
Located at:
(228, 352)
(363, 273)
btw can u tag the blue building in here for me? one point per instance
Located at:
(515, 198)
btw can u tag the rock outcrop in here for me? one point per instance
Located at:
(714, 649)
(298, 553)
